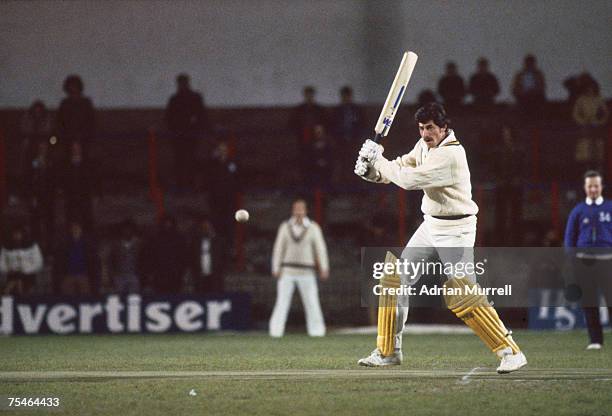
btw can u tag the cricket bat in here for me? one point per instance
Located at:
(394, 98)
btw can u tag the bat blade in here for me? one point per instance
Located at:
(394, 98)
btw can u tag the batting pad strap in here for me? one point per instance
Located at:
(387, 311)
(477, 313)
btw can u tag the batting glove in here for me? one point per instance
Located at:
(366, 171)
(370, 151)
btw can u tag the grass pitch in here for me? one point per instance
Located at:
(253, 374)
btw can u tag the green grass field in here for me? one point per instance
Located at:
(253, 374)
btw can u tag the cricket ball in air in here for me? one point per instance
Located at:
(242, 215)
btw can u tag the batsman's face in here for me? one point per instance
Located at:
(593, 187)
(432, 134)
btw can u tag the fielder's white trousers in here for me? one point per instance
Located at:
(447, 240)
(309, 292)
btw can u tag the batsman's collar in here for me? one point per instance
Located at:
(598, 201)
(449, 140)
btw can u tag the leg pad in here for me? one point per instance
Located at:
(477, 313)
(387, 311)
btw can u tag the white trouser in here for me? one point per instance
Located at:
(435, 239)
(309, 292)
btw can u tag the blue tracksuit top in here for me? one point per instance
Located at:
(590, 224)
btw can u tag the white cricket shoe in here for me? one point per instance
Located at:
(594, 346)
(511, 362)
(376, 359)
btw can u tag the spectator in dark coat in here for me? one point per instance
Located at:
(125, 259)
(187, 119)
(75, 119)
(76, 263)
(41, 185)
(207, 258)
(78, 183)
(36, 128)
(348, 131)
(166, 258)
(224, 183)
(302, 122)
(528, 87)
(484, 86)
(451, 88)
(425, 97)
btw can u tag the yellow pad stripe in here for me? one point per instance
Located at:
(387, 311)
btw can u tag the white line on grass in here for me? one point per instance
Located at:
(477, 373)
(466, 378)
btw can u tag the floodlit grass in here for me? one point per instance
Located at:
(253, 374)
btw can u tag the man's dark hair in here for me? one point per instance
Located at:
(432, 112)
(182, 78)
(592, 174)
(73, 80)
(346, 90)
(308, 89)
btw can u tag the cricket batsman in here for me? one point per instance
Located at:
(437, 165)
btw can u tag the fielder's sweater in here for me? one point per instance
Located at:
(299, 249)
(590, 224)
(442, 173)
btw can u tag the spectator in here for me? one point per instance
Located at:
(590, 109)
(483, 86)
(186, 118)
(528, 87)
(75, 119)
(126, 259)
(166, 260)
(302, 122)
(78, 178)
(321, 163)
(20, 261)
(451, 88)
(41, 178)
(425, 97)
(36, 126)
(39, 168)
(349, 122)
(348, 130)
(509, 169)
(207, 258)
(576, 84)
(76, 263)
(590, 112)
(224, 184)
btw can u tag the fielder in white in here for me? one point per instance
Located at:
(437, 165)
(298, 250)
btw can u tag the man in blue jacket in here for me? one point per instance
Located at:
(588, 236)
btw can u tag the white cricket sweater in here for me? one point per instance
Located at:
(442, 173)
(298, 250)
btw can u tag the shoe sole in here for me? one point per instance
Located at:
(365, 364)
(513, 370)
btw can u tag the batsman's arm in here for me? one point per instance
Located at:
(436, 172)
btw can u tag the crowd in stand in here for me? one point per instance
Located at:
(56, 165)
